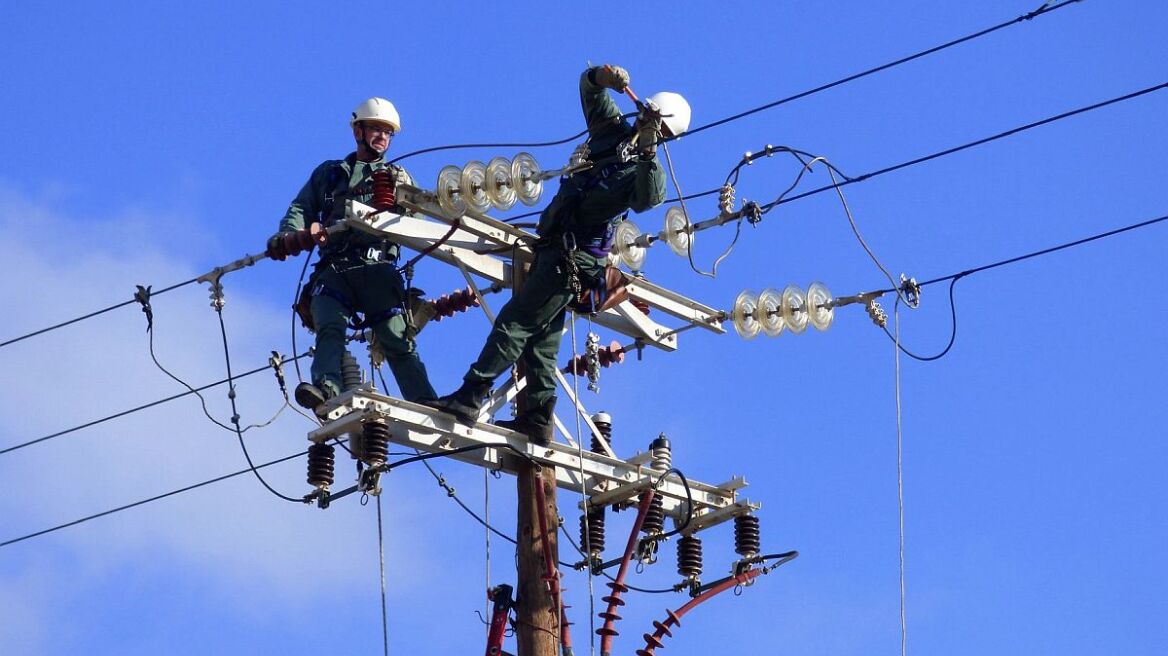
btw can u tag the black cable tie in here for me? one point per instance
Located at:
(142, 296)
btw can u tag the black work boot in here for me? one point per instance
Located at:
(310, 396)
(535, 423)
(465, 403)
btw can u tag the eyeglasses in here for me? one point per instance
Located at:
(377, 128)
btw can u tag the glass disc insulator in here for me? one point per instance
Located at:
(819, 313)
(500, 189)
(743, 314)
(769, 312)
(473, 185)
(795, 309)
(525, 174)
(677, 231)
(449, 193)
(624, 244)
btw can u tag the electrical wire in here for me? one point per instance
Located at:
(203, 401)
(954, 277)
(900, 483)
(296, 302)
(537, 144)
(606, 574)
(972, 144)
(235, 412)
(1046, 8)
(164, 495)
(123, 413)
(94, 314)
(381, 560)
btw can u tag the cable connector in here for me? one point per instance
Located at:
(592, 361)
(752, 212)
(911, 291)
(726, 199)
(876, 313)
(276, 362)
(142, 296)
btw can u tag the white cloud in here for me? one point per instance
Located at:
(231, 534)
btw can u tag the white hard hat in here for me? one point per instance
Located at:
(379, 110)
(674, 109)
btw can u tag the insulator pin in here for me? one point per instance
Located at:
(592, 531)
(747, 538)
(654, 521)
(603, 422)
(375, 439)
(351, 375)
(662, 453)
(321, 465)
(606, 356)
(458, 301)
(689, 556)
(384, 196)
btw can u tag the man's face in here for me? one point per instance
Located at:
(373, 135)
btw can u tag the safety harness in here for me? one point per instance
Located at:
(386, 250)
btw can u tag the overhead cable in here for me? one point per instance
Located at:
(954, 277)
(145, 406)
(94, 314)
(1046, 8)
(151, 499)
(1041, 11)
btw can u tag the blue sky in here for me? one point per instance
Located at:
(145, 144)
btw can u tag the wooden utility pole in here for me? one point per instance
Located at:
(537, 613)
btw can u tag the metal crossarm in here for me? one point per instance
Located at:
(606, 479)
(483, 245)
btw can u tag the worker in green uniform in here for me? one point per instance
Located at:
(357, 272)
(575, 234)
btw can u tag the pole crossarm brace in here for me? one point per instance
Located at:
(609, 479)
(484, 246)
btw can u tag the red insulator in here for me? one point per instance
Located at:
(302, 240)
(642, 306)
(614, 353)
(383, 190)
(449, 304)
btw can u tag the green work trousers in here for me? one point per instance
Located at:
(372, 288)
(531, 325)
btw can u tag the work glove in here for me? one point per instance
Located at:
(648, 130)
(278, 246)
(611, 77)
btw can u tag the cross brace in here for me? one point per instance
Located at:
(606, 480)
(483, 244)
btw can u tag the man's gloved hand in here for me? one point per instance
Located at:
(278, 247)
(648, 130)
(611, 77)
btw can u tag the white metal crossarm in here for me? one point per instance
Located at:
(420, 427)
(483, 245)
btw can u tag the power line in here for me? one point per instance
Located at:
(971, 144)
(1044, 9)
(145, 406)
(149, 500)
(782, 200)
(954, 277)
(93, 314)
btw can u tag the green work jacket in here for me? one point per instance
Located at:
(322, 200)
(588, 202)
